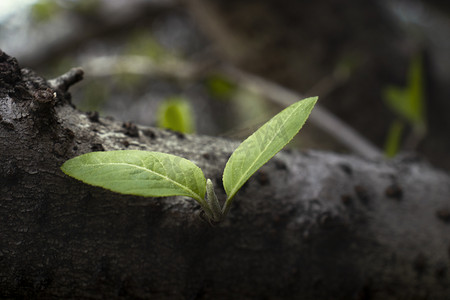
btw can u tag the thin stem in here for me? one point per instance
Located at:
(213, 202)
(226, 207)
(206, 208)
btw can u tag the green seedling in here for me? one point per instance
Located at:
(408, 103)
(176, 114)
(156, 174)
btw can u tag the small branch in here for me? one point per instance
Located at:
(183, 70)
(320, 116)
(140, 65)
(67, 79)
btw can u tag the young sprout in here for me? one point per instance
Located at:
(156, 174)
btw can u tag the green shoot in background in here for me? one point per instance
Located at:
(156, 174)
(176, 114)
(220, 87)
(409, 105)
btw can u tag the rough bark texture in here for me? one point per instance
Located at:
(308, 225)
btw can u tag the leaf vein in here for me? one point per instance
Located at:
(190, 191)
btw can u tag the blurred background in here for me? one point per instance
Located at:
(224, 67)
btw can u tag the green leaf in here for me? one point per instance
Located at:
(394, 137)
(141, 173)
(176, 114)
(220, 87)
(416, 91)
(263, 144)
(409, 102)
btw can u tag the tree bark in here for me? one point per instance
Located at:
(308, 225)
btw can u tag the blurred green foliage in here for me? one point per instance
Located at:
(44, 10)
(176, 114)
(85, 7)
(392, 144)
(143, 43)
(220, 87)
(408, 103)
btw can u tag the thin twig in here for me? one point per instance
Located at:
(320, 116)
(67, 79)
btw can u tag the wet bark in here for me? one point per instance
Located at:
(309, 225)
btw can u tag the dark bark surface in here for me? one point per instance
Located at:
(308, 225)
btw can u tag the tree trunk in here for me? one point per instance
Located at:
(308, 225)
